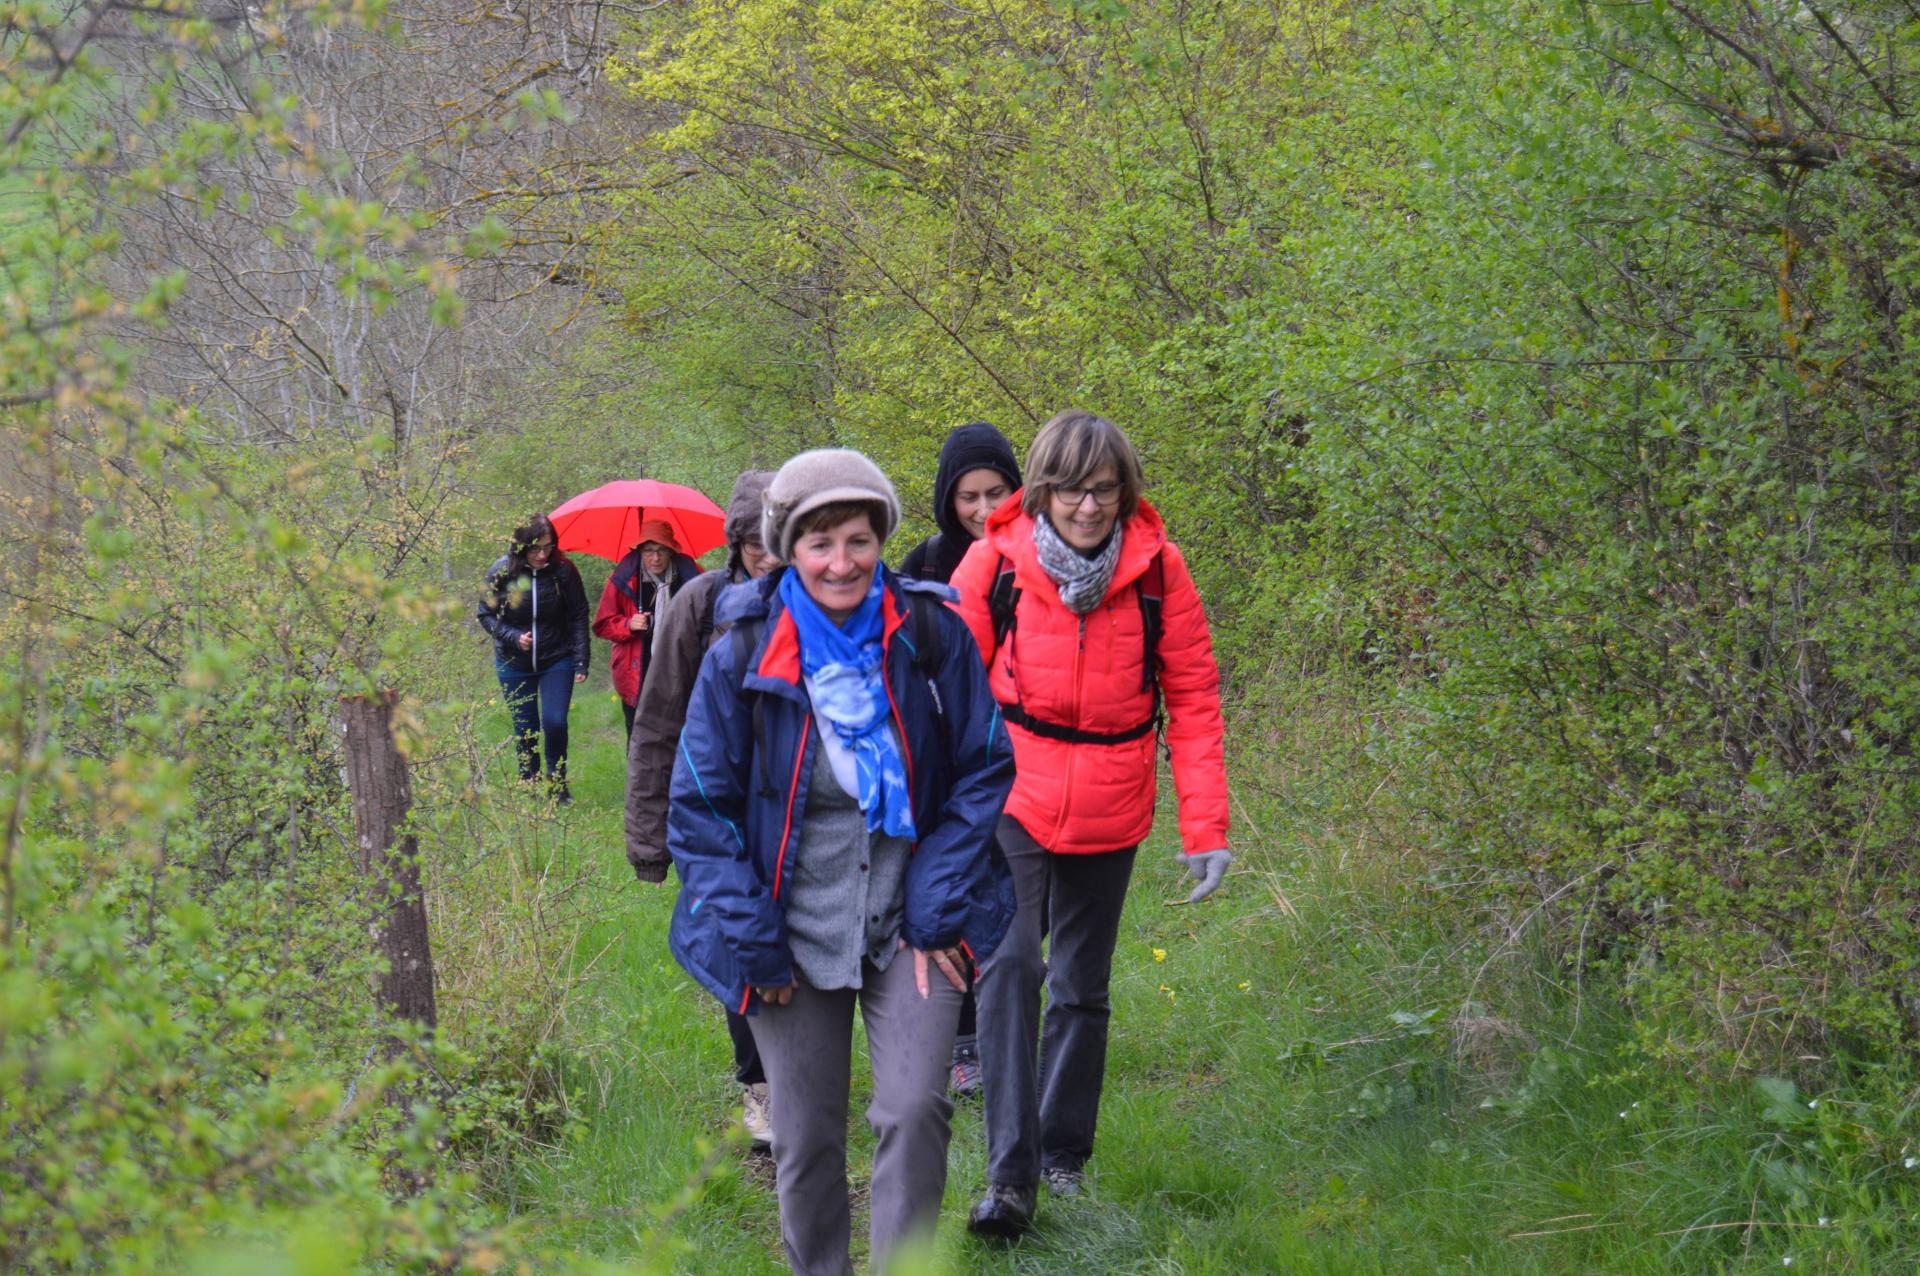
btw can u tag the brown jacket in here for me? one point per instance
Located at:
(660, 714)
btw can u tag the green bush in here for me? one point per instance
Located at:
(1631, 400)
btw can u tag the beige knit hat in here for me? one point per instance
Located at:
(821, 477)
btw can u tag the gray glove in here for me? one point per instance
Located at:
(1209, 867)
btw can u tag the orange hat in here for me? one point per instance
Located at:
(658, 529)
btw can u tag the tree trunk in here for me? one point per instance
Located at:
(382, 796)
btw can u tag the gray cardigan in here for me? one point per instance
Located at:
(848, 890)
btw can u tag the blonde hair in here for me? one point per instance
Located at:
(1069, 449)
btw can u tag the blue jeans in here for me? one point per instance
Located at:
(539, 703)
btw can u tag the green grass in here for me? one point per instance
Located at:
(1285, 1090)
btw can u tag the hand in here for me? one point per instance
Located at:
(951, 961)
(777, 996)
(579, 678)
(1209, 867)
(526, 641)
(638, 621)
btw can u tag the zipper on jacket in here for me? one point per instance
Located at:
(1066, 791)
(534, 589)
(793, 792)
(906, 749)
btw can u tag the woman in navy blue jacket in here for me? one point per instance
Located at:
(832, 812)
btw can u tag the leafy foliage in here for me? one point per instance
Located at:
(1644, 446)
(190, 1050)
(1553, 355)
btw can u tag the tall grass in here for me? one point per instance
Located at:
(1324, 1069)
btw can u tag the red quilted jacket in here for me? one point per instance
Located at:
(1084, 672)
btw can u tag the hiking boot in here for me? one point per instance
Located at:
(964, 1079)
(1064, 1182)
(1003, 1214)
(758, 1116)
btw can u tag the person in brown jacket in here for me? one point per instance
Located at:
(686, 630)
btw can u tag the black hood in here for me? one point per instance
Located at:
(974, 446)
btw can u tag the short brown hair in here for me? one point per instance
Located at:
(834, 513)
(1069, 449)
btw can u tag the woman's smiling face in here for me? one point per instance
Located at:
(1085, 513)
(976, 494)
(836, 564)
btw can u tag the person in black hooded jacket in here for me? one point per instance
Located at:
(534, 606)
(977, 472)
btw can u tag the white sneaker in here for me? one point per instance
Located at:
(758, 1117)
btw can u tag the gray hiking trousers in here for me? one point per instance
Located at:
(806, 1047)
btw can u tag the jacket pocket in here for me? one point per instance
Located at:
(703, 953)
(991, 905)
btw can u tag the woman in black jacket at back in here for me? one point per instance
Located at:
(535, 607)
(977, 472)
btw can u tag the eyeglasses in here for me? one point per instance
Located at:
(540, 547)
(1102, 494)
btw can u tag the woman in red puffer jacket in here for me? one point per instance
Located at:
(1090, 623)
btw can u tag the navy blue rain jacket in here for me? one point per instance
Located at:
(739, 793)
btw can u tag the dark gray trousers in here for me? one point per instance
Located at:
(806, 1047)
(1040, 1116)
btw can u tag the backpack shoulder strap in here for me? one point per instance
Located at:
(926, 635)
(705, 631)
(1003, 603)
(745, 636)
(1151, 590)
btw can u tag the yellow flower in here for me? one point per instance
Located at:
(1245, 985)
(1159, 954)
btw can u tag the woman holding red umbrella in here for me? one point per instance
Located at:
(636, 597)
(621, 520)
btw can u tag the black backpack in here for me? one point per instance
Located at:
(1150, 590)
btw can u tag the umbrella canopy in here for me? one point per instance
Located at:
(605, 521)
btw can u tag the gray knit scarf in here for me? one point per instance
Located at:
(1083, 581)
(662, 595)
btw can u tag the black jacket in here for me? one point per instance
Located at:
(551, 602)
(974, 446)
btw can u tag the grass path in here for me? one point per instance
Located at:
(1284, 1091)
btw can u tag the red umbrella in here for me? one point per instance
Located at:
(606, 521)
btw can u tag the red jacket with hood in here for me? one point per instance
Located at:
(1084, 672)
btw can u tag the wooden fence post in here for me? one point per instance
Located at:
(382, 795)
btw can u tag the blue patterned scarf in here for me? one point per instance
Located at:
(843, 665)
